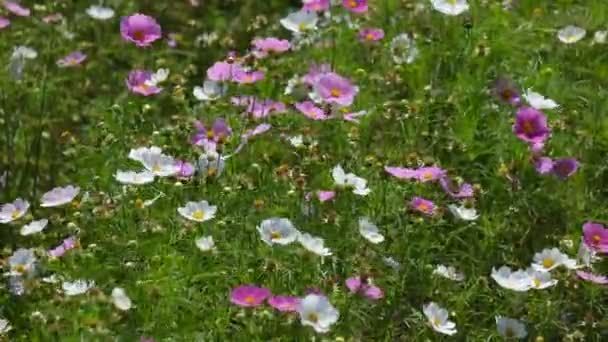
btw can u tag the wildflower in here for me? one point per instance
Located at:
(549, 259)
(311, 111)
(357, 284)
(392, 263)
(423, 174)
(571, 34)
(4, 326)
(315, 72)
(185, 169)
(211, 137)
(370, 231)
(77, 287)
(100, 13)
(140, 29)
(595, 237)
(249, 295)
(403, 49)
(540, 279)
(463, 213)
(296, 141)
(465, 190)
(22, 262)
(259, 129)
(66, 245)
(423, 205)
(506, 92)
(284, 303)
(325, 196)
(120, 299)
(450, 7)
(210, 164)
(448, 272)
(333, 88)
(159, 164)
(271, 45)
(34, 227)
(401, 172)
(438, 318)
(138, 154)
(531, 125)
(198, 211)
(316, 5)
(18, 58)
(350, 180)
(352, 117)
(516, 281)
(223, 71)
(59, 196)
(371, 35)
(10, 212)
(355, 6)
(210, 91)
(585, 255)
(316, 311)
(17, 9)
(278, 231)
(538, 101)
(205, 243)
(4, 22)
(138, 83)
(510, 328)
(314, 244)
(158, 77)
(132, 177)
(300, 22)
(592, 277)
(598, 38)
(543, 165)
(73, 59)
(565, 167)
(247, 77)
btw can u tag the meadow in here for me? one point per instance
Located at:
(306, 170)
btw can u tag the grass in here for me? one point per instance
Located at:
(76, 126)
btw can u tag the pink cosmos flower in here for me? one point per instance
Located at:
(592, 277)
(223, 71)
(543, 165)
(310, 110)
(73, 59)
(334, 88)
(185, 169)
(505, 91)
(138, 83)
(52, 18)
(262, 47)
(17, 9)
(325, 195)
(66, 245)
(401, 172)
(247, 77)
(316, 5)
(315, 72)
(249, 295)
(140, 29)
(465, 190)
(595, 237)
(357, 284)
(259, 108)
(423, 174)
(565, 167)
(259, 129)
(4, 22)
(355, 6)
(423, 205)
(284, 303)
(531, 125)
(353, 117)
(213, 136)
(371, 35)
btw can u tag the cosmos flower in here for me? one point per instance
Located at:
(271, 45)
(571, 34)
(212, 136)
(137, 154)
(370, 231)
(34, 227)
(516, 281)
(277, 230)
(284, 303)
(133, 177)
(592, 277)
(316, 5)
(314, 244)
(595, 236)
(159, 164)
(549, 259)
(138, 83)
(565, 167)
(355, 6)
(120, 299)
(158, 77)
(538, 101)
(77, 287)
(403, 49)
(259, 129)
(73, 59)
(66, 245)
(357, 284)
(450, 7)
(140, 29)
(335, 89)
(350, 180)
(506, 92)
(205, 243)
(300, 22)
(100, 13)
(531, 125)
(423, 205)
(448, 272)
(543, 165)
(325, 196)
(247, 77)
(210, 164)
(210, 91)
(463, 213)
(310, 110)
(465, 190)
(198, 211)
(315, 72)
(585, 256)
(423, 174)
(540, 279)
(316, 311)
(22, 263)
(10, 212)
(371, 34)
(249, 295)
(16, 9)
(4, 22)
(510, 328)
(438, 318)
(59, 196)
(598, 38)
(353, 116)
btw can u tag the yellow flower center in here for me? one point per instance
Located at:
(452, 2)
(249, 299)
(427, 175)
(335, 92)
(369, 36)
(210, 134)
(528, 127)
(547, 263)
(211, 172)
(15, 213)
(139, 203)
(199, 215)
(20, 268)
(156, 168)
(536, 282)
(353, 3)
(302, 27)
(313, 317)
(423, 207)
(597, 238)
(276, 235)
(139, 35)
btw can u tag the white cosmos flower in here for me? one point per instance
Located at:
(463, 213)
(59, 196)
(438, 318)
(278, 231)
(137, 154)
(358, 184)
(392, 263)
(211, 164)
(100, 13)
(300, 21)
(210, 91)
(4, 326)
(571, 34)
(24, 52)
(538, 101)
(198, 211)
(296, 141)
(10, 212)
(600, 37)
(158, 77)
(316, 311)
(448, 272)
(34, 227)
(549, 259)
(77, 287)
(539, 279)
(450, 7)
(516, 281)
(314, 244)
(403, 49)
(510, 328)
(370, 231)
(133, 177)
(159, 164)
(22, 262)
(120, 299)
(205, 243)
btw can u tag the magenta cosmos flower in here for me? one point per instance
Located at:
(249, 295)
(17, 9)
(325, 195)
(315, 72)
(223, 71)
(259, 108)
(334, 88)
(4, 22)
(73, 59)
(464, 190)
(506, 92)
(310, 110)
(138, 83)
(247, 77)
(140, 29)
(595, 237)
(531, 125)
(592, 277)
(356, 6)
(423, 174)
(543, 165)
(565, 167)
(371, 35)
(214, 135)
(357, 284)
(423, 205)
(262, 47)
(316, 5)
(66, 245)
(284, 303)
